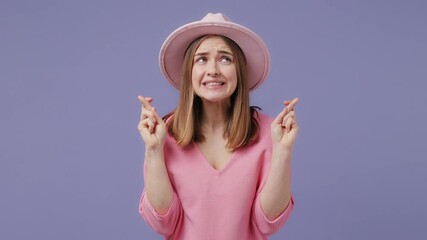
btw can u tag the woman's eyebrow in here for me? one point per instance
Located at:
(225, 52)
(201, 54)
(219, 51)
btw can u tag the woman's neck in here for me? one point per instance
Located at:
(214, 116)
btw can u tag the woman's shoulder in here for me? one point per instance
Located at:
(264, 125)
(262, 118)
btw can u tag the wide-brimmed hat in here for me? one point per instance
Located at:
(173, 49)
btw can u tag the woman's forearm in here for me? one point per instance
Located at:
(276, 193)
(157, 184)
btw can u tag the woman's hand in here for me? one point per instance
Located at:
(284, 128)
(276, 194)
(151, 126)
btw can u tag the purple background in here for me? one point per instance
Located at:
(71, 154)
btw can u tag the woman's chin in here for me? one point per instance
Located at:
(215, 98)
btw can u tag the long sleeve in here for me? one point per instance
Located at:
(162, 224)
(266, 226)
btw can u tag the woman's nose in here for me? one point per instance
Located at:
(212, 69)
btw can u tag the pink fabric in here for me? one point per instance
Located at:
(212, 204)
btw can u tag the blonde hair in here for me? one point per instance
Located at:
(185, 122)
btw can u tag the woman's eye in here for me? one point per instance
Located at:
(226, 59)
(200, 60)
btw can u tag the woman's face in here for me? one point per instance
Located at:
(214, 75)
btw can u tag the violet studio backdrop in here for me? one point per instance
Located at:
(71, 156)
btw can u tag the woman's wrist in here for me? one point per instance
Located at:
(154, 152)
(282, 153)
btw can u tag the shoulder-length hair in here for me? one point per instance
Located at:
(184, 123)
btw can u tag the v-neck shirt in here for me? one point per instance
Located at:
(217, 204)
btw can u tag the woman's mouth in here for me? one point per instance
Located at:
(213, 84)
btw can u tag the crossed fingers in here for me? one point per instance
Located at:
(290, 104)
(286, 118)
(148, 114)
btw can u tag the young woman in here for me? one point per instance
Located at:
(216, 168)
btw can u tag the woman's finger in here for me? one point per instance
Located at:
(145, 102)
(289, 124)
(149, 99)
(147, 114)
(146, 105)
(280, 116)
(292, 104)
(157, 117)
(148, 124)
(289, 108)
(287, 116)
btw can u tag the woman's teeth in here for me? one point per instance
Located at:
(211, 84)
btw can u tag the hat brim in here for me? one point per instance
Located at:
(173, 49)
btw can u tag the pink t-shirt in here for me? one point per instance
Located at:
(217, 204)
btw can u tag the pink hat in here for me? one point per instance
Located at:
(255, 51)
